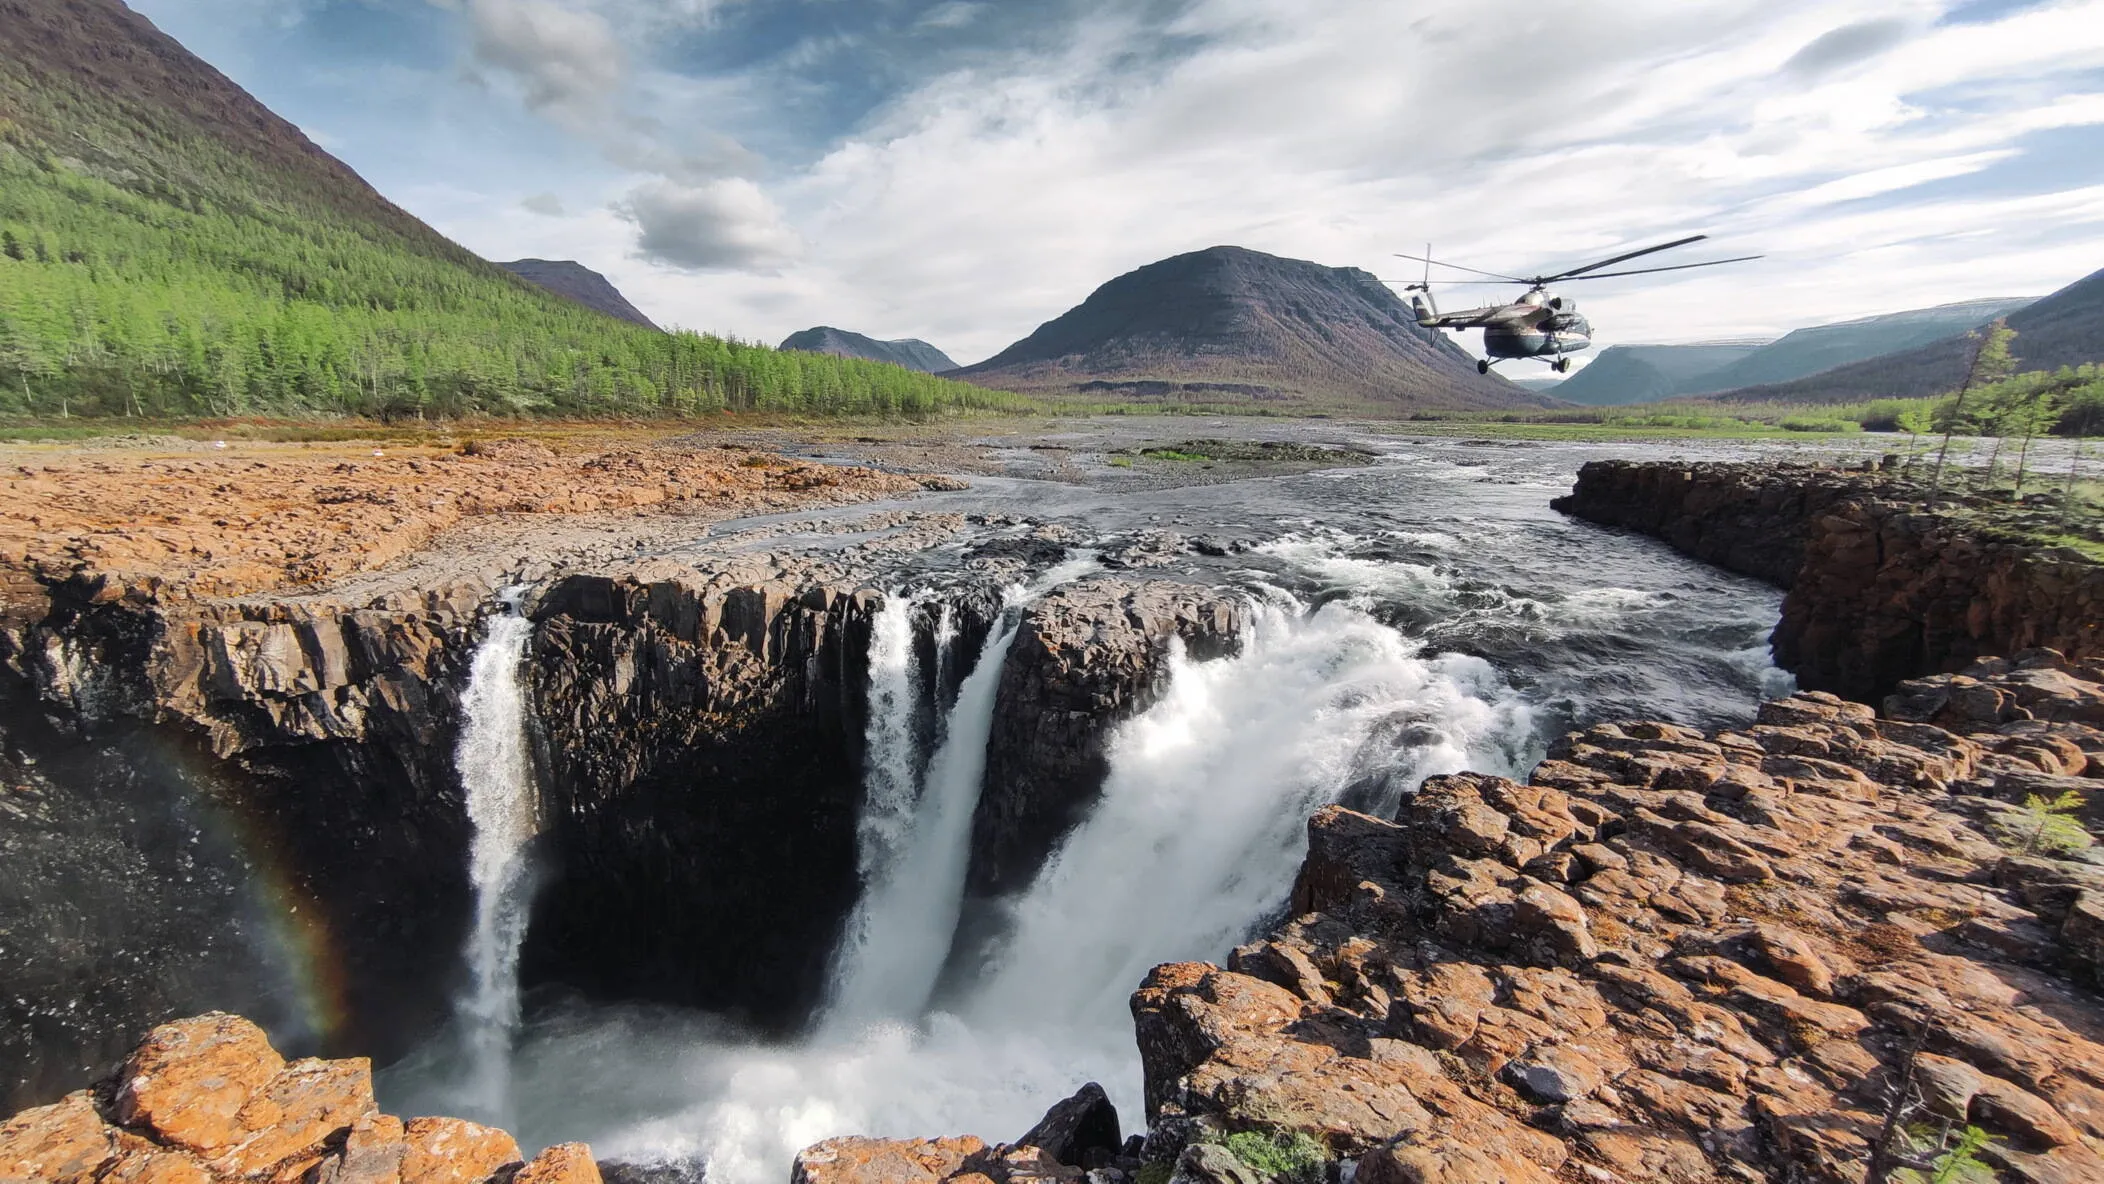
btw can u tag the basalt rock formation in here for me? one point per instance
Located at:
(208, 1100)
(256, 803)
(1670, 955)
(231, 803)
(1086, 658)
(1883, 583)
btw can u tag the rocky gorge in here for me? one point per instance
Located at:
(1885, 581)
(1665, 952)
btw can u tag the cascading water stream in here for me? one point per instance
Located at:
(1201, 822)
(496, 770)
(901, 929)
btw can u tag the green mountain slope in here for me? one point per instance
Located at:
(170, 247)
(1823, 347)
(2063, 329)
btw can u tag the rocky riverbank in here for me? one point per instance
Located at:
(1884, 582)
(1669, 955)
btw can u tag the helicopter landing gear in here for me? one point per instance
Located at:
(1482, 365)
(1561, 365)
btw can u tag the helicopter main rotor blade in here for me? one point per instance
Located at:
(1457, 267)
(1648, 270)
(1576, 271)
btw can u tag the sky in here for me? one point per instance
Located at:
(964, 170)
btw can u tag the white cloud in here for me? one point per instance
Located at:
(567, 61)
(715, 226)
(953, 15)
(989, 197)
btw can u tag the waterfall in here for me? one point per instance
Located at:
(900, 932)
(1194, 841)
(909, 913)
(891, 747)
(1202, 819)
(496, 770)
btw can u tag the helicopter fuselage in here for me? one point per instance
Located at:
(1545, 336)
(1537, 325)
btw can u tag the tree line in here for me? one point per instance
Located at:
(123, 297)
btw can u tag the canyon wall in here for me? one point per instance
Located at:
(246, 804)
(255, 804)
(1882, 584)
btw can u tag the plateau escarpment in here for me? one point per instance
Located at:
(259, 802)
(1884, 582)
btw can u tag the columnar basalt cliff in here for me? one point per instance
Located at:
(1086, 658)
(1883, 583)
(257, 804)
(703, 753)
(229, 803)
(1671, 955)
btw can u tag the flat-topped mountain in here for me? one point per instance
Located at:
(1228, 324)
(910, 352)
(2063, 329)
(1647, 373)
(574, 281)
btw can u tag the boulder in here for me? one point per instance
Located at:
(1081, 1131)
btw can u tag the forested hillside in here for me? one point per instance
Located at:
(168, 246)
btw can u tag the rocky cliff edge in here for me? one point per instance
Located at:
(1670, 955)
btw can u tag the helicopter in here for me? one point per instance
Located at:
(1540, 324)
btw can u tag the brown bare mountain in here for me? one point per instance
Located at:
(1228, 324)
(2064, 329)
(574, 281)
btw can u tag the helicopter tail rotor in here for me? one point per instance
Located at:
(1422, 304)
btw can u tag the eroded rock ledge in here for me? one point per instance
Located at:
(1882, 584)
(1670, 955)
(208, 1100)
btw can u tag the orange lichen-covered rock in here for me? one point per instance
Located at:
(65, 1142)
(208, 1101)
(187, 1084)
(295, 1113)
(564, 1163)
(455, 1151)
(852, 1160)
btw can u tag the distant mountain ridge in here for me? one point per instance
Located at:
(574, 281)
(2063, 329)
(1810, 350)
(1228, 324)
(1648, 373)
(910, 352)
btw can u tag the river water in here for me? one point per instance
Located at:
(1423, 614)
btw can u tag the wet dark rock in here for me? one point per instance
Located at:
(1086, 657)
(1080, 1131)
